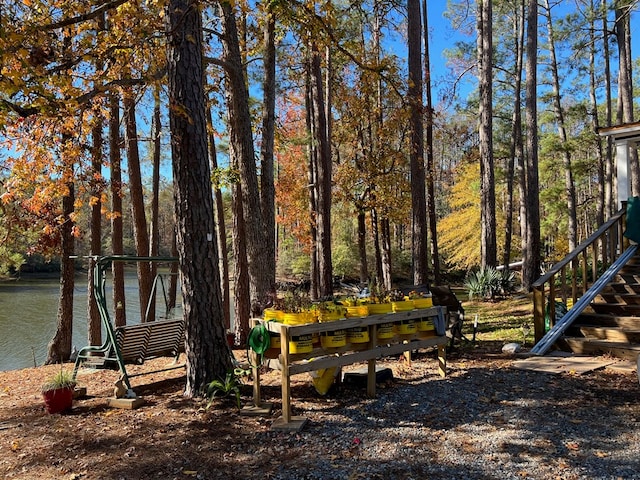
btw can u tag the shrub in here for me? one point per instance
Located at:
(488, 282)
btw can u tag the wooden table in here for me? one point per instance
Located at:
(294, 363)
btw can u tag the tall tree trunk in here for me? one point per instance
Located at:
(362, 246)
(515, 147)
(241, 284)
(416, 150)
(385, 237)
(267, 175)
(375, 231)
(221, 229)
(312, 176)
(240, 134)
(488, 243)
(154, 239)
(322, 158)
(625, 83)
(117, 243)
(595, 122)
(569, 185)
(207, 351)
(94, 326)
(531, 236)
(117, 248)
(141, 236)
(59, 349)
(430, 167)
(610, 191)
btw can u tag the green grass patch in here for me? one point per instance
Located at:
(505, 320)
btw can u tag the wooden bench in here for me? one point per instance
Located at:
(144, 341)
(134, 344)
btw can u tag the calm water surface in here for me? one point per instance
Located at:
(28, 311)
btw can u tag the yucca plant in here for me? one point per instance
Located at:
(230, 385)
(488, 282)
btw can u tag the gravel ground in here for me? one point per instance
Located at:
(484, 421)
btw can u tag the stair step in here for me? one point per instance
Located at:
(616, 308)
(624, 298)
(586, 346)
(605, 320)
(626, 277)
(613, 334)
(622, 287)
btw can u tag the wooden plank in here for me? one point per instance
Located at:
(442, 360)
(361, 356)
(371, 364)
(286, 382)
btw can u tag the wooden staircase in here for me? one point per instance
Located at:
(611, 322)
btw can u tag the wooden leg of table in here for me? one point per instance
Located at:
(442, 360)
(286, 382)
(257, 400)
(371, 364)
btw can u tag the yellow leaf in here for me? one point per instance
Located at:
(190, 472)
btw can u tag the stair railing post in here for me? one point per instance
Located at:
(538, 312)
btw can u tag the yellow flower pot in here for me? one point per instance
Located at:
(298, 318)
(379, 308)
(402, 306)
(358, 311)
(406, 327)
(335, 339)
(425, 302)
(273, 314)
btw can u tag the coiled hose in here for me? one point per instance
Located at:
(259, 341)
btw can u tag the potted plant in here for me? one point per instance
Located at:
(57, 392)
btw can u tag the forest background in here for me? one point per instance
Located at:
(327, 109)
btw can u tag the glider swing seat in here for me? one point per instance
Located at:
(131, 344)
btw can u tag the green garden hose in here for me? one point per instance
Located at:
(259, 341)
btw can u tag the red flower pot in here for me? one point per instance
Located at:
(59, 400)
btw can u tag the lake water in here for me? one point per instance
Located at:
(28, 309)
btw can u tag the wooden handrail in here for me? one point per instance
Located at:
(605, 245)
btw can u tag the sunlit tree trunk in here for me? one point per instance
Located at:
(416, 149)
(117, 268)
(385, 239)
(595, 122)
(141, 235)
(570, 189)
(267, 175)
(515, 147)
(609, 191)
(321, 157)
(531, 234)
(221, 228)
(362, 247)
(207, 351)
(241, 135)
(94, 327)
(488, 243)
(430, 167)
(154, 239)
(241, 275)
(625, 82)
(59, 348)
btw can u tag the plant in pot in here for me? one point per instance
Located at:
(57, 392)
